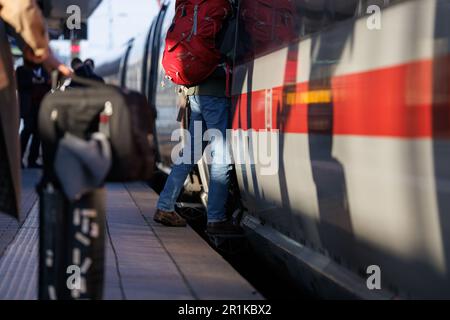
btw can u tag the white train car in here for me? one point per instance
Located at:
(358, 91)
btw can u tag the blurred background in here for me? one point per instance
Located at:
(121, 20)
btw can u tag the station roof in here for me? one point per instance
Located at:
(55, 12)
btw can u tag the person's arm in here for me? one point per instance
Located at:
(26, 18)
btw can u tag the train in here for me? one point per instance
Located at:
(357, 94)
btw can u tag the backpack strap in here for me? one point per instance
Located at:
(228, 73)
(195, 25)
(234, 8)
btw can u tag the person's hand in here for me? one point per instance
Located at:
(64, 70)
(52, 63)
(29, 55)
(49, 61)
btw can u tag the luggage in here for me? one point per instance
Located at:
(72, 245)
(191, 53)
(124, 116)
(72, 223)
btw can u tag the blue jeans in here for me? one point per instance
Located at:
(211, 113)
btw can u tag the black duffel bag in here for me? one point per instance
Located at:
(124, 116)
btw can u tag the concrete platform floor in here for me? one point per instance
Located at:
(144, 260)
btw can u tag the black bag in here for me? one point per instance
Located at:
(72, 233)
(71, 246)
(124, 116)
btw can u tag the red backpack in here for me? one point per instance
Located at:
(191, 54)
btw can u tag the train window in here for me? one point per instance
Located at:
(124, 62)
(344, 9)
(164, 87)
(265, 25)
(150, 64)
(154, 45)
(364, 5)
(163, 83)
(134, 76)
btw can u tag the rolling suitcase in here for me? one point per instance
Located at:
(71, 251)
(72, 229)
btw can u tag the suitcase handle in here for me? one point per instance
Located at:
(56, 76)
(86, 82)
(55, 80)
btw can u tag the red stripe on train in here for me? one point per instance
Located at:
(409, 101)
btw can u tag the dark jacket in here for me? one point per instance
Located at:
(33, 83)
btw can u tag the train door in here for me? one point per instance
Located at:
(153, 49)
(123, 64)
(164, 98)
(151, 70)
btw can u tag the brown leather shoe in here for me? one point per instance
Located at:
(169, 219)
(224, 228)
